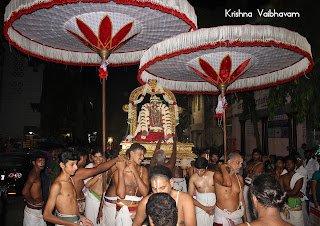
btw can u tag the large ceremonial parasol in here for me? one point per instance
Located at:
(81, 32)
(228, 59)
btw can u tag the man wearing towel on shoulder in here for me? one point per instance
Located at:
(202, 184)
(131, 180)
(292, 183)
(230, 205)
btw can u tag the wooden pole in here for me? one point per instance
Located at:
(104, 54)
(223, 88)
(103, 115)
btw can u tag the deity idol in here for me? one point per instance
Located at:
(154, 121)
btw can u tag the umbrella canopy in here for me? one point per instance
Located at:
(74, 31)
(71, 31)
(242, 57)
(227, 59)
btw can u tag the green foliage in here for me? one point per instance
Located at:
(303, 96)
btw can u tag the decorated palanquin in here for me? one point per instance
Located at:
(153, 113)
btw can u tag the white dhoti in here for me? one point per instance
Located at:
(70, 218)
(180, 184)
(92, 206)
(125, 214)
(109, 211)
(206, 199)
(293, 216)
(226, 218)
(33, 217)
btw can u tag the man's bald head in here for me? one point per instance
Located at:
(160, 156)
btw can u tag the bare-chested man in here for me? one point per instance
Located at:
(280, 167)
(107, 209)
(230, 205)
(131, 180)
(202, 184)
(84, 173)
(292, 184)
(179, 181)
(32, 192)
(253, 169)
(63, 195)
(159, 156)
(161, 182)
(95, 187)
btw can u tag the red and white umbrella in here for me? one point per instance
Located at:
(74, 31)
(227, 59)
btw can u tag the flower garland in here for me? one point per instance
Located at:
(148, 89)
(144, 122)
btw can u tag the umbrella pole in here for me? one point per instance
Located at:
(104, 54)
(223, 88)
(224, 136)
(104, 115)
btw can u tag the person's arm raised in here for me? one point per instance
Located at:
(224, 178)
(153, 161)
(92, 181)
(119, 180)
(142, 183)
(84, 173)
(173, 158)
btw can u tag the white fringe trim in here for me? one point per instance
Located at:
(244, 33)
(72, 57)
(247, 83)
(86, 58)
(179, 5)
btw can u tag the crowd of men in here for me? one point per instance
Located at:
(118, 190)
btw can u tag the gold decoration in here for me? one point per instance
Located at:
(184, 150)
(152, 83)
(135, 94)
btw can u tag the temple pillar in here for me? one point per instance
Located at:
(243, 135)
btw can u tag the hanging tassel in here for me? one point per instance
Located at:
(103, 71)
(222, 105)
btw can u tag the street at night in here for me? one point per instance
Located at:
(153, 112)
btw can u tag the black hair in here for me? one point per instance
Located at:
(296, 154)
(273, 156)
(281, 158)
(162, 209)
(38, 155)
(160, 171)
(292, 158)
(96, 150)
(82, 151)
(308, 150)
(134, 147)
(268, 191)
(256, 150)
(214, 151)
(201, 163)
(68, 155)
